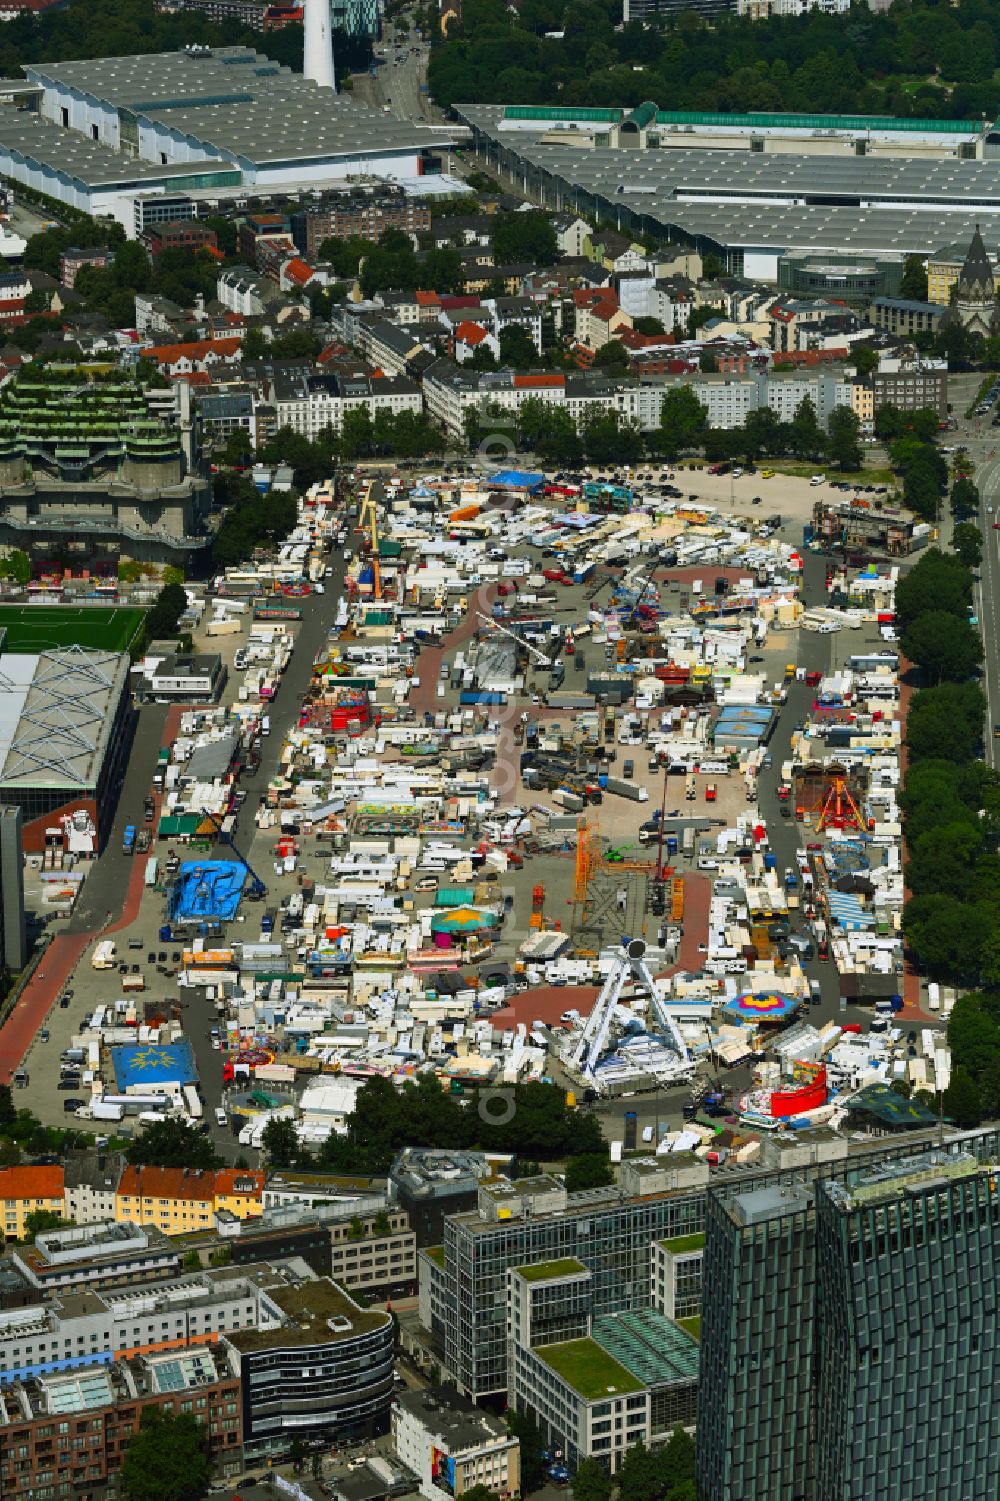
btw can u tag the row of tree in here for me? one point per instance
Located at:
(950, 798)
(684, 426)
(532, 1120)
(919, 59)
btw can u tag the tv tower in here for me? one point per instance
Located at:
(317, 62)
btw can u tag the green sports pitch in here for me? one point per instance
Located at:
(36, 628)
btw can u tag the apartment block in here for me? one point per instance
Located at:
(66, 1435)
(309, 403)
(177, 1200)
(382, 1257)
(362, 217)
(25, 1190)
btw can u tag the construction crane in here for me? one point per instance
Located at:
(257, 888)
(368, 522)
(629, 963)
(533, 651)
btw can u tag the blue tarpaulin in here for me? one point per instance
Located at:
(208, 890)
(153, 1064)
(516, 479)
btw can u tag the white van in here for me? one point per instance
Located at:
(221, 1119)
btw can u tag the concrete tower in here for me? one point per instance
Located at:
(318, 60)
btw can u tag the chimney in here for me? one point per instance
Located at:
(317, 62)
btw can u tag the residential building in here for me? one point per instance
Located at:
(240, 290)
(259, 227)
(572, 232)
(321, 1370)
(912, 385)
(754, 1430)
(599, 316)
(229, 411)
(258, 15)
(66, 1435)
(15, 288)
(360, 216)
(179, 1199)
(70, 262)
(179, 234)
(944, 267)
(90, 1186)
(903, 317)
(308, 404)
(25, 1191)
(97, 1255)
(453, 1446)
(906, 1331)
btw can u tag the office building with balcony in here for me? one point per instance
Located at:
(108, 1255)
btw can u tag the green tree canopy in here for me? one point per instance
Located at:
(844, 438)
(526, 238)
(172, 1143)
(166, 1459)
(945, 647)
(682, 421)
(967, 541)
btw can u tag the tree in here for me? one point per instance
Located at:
(940, 581)
(964, 498)
(945, 648)
(948, 934)
(805, 434)
(280, 1143)
(946, 723)
(967, 541)
(17, 566)
(297, 1453)
(172, 1143)
(844, 438)
(914, 280)
(648, 326)
(591, 1482)
(961, 1102)
(166, 1459)
(382, 1224)
(866, 360)
(707, 363)
(191, 1261)
(683, 419)
(612, 356)
(40, 1220)
(525, 239)
(356, 1229)
(524, 1428)
(591, 1170)
(639, 1476)
(164, 618)
(517, 348)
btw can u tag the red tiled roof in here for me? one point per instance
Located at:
(523, 382)
(299, 270)
(31, 1182)
(469, 332)
(427, 299)
(166, 1183)
(453, 303)
(196, 349)
(238, 1181)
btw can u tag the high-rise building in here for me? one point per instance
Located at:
(907, 1335)
(14, 952)
(849, 1347)
(755, 1395)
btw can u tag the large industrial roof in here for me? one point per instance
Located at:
(238, 103)
(764, 201)
(28, 137)
(57, 713)
(708, 119)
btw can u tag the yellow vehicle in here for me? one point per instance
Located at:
(767, 474)
(789, 671)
